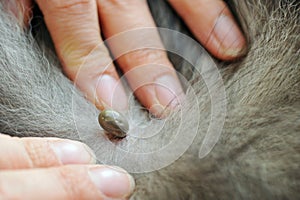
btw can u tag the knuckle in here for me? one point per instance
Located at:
(74, 181)
(39, 153)
(147, 56)
(118, 3)
(85, 51)
(90, 59)
(67, 181)
(68, 4)
(96, 51)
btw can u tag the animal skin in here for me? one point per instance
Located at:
(256, 155)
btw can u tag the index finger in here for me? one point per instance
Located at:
(148, 70)
(75, 31)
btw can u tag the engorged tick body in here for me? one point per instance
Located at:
(113, 123)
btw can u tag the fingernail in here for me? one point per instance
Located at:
(112, 182)
(158, 111)
(230, 37)
(168, 92)
(111, 93)
(72, 152)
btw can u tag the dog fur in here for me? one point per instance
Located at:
(258, 153)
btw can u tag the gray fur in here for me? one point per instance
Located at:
(257, 155)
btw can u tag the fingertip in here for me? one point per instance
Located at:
(214, 26)
(168, 90)
(110, 93)
(112, 182)
(230, 41)
(164, 95)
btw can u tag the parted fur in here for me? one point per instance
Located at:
(258, 153)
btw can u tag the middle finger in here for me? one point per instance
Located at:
(150, 73)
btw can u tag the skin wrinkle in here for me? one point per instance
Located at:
(207, 32)
(212, 30)
(68, 181)
(65, 5)
(30, 152)
(35, 158)
(144, 56)
(257, 155)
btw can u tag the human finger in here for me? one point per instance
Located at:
(22, 153)
(148, 70)
(214, 26)
(75, 30)
(66, 183)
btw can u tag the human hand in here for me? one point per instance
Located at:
(76, 27)
(52, 168)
